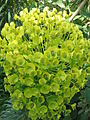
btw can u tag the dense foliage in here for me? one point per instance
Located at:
(82, 19)
(8, 8)
(42, 61)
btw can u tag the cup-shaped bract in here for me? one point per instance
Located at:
(46, 61)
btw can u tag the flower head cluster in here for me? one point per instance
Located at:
(46, 62)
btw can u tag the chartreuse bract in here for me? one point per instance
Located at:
(45, 60)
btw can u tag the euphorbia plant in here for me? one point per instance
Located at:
(45, 60)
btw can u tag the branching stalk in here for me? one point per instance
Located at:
(78, 10)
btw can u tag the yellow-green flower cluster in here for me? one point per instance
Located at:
(46, 61)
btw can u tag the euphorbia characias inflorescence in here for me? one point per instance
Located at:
(45, 60)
